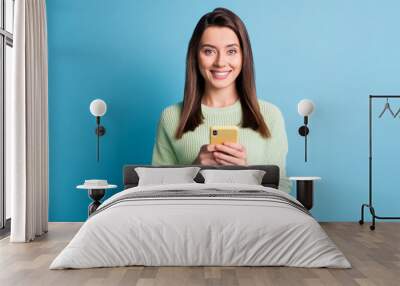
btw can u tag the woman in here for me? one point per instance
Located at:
(220, 90)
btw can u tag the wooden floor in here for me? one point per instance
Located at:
(374, 255)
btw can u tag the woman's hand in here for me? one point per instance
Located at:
(205, 156)
(230, 154)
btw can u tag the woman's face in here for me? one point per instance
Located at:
(219, 57)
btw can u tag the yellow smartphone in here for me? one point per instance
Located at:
(224, 134)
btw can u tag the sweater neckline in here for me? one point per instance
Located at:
(233, 107)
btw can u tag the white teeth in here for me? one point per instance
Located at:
(220, 73)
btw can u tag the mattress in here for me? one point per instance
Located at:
(201, 225)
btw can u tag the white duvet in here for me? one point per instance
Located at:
(200, 231)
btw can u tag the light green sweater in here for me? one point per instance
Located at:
(260, 151)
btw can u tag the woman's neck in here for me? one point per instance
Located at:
(220, 97)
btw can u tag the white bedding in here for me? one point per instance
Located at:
(182, 231)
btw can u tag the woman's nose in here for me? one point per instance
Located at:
(220, 61)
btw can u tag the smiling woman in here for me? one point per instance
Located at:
(220, 91)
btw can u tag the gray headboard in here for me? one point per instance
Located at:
(271, 177)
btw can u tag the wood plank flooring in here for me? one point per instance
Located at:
(374, 255)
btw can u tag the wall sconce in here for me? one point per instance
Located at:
(305, 107)
(98, 108)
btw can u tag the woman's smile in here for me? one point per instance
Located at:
(220, 75)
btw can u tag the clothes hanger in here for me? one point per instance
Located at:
(397, 113)
(387, 107)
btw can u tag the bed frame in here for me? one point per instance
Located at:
(270, 179)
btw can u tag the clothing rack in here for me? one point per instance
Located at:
(370, 204)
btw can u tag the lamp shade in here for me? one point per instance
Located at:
(305, 107)
(98, 107)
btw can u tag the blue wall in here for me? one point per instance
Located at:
(132, 55)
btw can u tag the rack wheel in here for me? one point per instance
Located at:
(361, 222)
(372, 227)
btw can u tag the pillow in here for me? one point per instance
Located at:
(249, 177)
(162, 176)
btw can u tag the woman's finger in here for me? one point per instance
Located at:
(210, 147)
(228, 158)
(236, 146)
(231, 151)
(223, 162)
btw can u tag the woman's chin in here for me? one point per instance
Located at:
(220, 84)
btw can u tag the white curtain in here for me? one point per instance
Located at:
(27, 124)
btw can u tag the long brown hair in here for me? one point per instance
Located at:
(191, 115)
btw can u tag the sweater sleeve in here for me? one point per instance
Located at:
(163, 152)
(278, 131)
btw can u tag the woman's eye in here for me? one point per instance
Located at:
(232, 52)
(208, 52)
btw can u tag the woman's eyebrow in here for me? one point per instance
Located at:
(207, 45)
(214, 47)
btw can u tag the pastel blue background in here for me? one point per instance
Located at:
(132, 55)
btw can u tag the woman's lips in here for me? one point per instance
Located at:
(220, 74)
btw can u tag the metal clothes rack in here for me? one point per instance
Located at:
(370, 204)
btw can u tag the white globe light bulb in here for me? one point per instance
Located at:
(305, 107)
(98, 107)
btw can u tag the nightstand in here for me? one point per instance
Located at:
(96, 191)
(305, 190)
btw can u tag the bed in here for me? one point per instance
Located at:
(201, 224)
